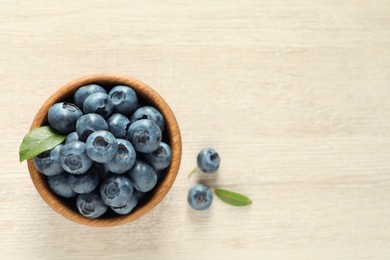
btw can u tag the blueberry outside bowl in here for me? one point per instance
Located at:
(147, 95)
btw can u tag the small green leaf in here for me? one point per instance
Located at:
(38, 141)
(232, 198)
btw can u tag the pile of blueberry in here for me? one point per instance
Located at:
(113, 152)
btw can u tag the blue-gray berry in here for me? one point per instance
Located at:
(124, 98)
(48, 162)
(145, 135)
(91, 205)
(124, 158)
(160, 158)
(200, 197)
(116, 191)
(130, 205)
(84, 183)
(208, 160)
(60, 186)
(143, 176)
(63, 117)
(101, 146)
(118, 125)
(98, 103)
(73, 158)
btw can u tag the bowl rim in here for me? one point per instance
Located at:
(145, 92)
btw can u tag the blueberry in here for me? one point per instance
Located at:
(60, 186)
(88, 124)
(124, 158)
(200, 197)
(145, 135)
(63, 117)
(151, 113)
(116, 191)
(143, 176)
(84, 183)
(126, 209)
(71, 137)
(91, 205)
(82, 93)
(73, 158)
(118, 125)
(98, 103)
(101, 146)
(208, 160)
(48, 162)
(161, 158)
(124, 99)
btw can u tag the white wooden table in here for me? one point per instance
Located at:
(293, 94)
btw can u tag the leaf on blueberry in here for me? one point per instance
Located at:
(38, 141)
(232, 198)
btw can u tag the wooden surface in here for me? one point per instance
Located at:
(293, 94)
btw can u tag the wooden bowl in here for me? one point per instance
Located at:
(148, 95)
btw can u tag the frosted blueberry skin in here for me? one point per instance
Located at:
(161, 158)
(208, 160)
(101, 146)
(48, 162)
(82, 93)
(124, 98)
(99, 103)
(91, 205)
(60, 186)
(144, 135)
(84, 183)
(143, 176)
(200, 197)
(63, 117)
(130, 205)
(71, 137)
(116, 191)
(124, 159)
(73, 158)
(148, 112)
(89, 123)
(118, 125)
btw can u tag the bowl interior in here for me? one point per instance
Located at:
(147, 96)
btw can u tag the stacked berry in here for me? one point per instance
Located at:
(113, 150)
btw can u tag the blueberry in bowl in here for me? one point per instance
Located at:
(118, 134)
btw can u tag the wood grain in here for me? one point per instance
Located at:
(293, 94)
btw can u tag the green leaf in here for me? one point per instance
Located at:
(232, 198)
(38, 141)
